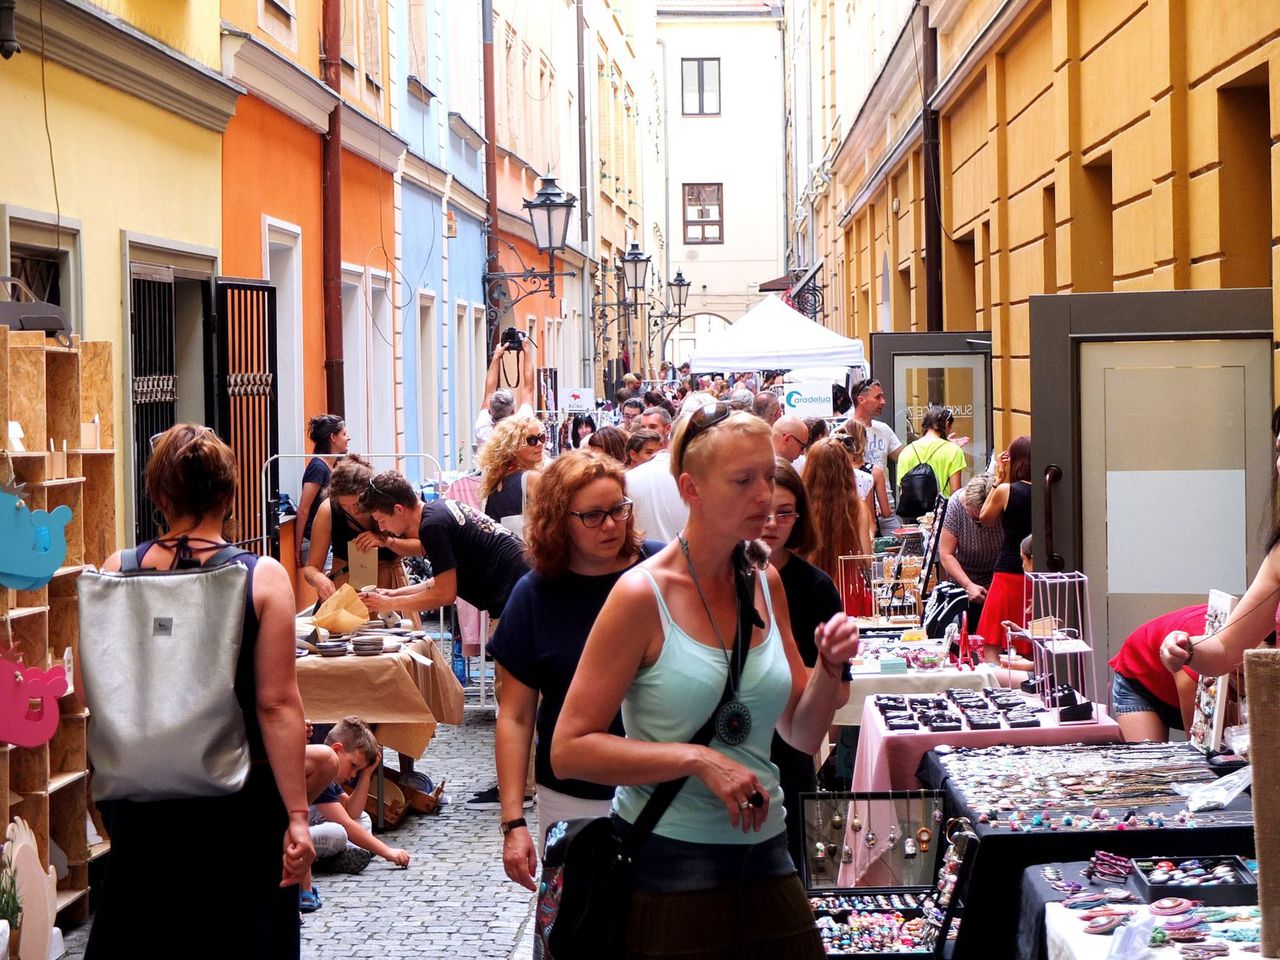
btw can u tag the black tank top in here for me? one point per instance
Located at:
(1016, 522)
(508, 501)
(246, 683)
(343, 529)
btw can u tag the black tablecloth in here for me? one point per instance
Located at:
(1037, 892)
(989, 927)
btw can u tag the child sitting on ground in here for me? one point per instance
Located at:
(340, 828)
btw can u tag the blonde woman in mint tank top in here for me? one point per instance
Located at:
(715, 880)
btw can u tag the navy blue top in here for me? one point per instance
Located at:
(330, 794)
(317, 472)
(246, 683)
(539, 641)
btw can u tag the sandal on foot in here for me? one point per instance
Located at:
(309, 900)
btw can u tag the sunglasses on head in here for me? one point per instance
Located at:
(863, 387)
(535, 439)
(702, 420)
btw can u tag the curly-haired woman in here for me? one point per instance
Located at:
(581, 537)
(845, 528)
(509, 463)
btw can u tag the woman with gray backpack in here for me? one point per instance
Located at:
(197, 732)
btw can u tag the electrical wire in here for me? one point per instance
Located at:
(48, 136)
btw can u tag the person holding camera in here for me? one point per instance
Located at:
(505, 401)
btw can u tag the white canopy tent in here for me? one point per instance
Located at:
(773, 336)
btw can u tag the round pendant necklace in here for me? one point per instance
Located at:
(733, 719)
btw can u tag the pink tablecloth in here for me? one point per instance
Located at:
(888, 760)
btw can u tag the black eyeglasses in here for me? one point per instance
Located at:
(620, 513)
(702, 420)
(846, 440)
(535, 439)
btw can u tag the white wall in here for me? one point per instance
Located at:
(743, 148)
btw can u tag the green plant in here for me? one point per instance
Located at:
(10, 907)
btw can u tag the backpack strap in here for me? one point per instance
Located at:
(227, 554)
(129, 561)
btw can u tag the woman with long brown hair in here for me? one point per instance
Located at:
(581, 537)
(1009, 505)
(812, 599)
(845, 527)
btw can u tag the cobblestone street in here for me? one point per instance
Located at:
(452, 903)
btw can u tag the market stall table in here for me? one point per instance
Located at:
(888, 759)
(379, 690)
(990, 925)
(1068, 941)
(1033, 920)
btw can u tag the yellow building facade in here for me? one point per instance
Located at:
(1084, 145)
(117, 114)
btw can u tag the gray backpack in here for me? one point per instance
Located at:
(158, 656)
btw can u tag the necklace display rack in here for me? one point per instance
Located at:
(882, 922)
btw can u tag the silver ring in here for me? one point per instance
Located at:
(743, 805)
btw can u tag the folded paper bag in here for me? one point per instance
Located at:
(343, 612)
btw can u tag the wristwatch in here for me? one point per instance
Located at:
(508, 825)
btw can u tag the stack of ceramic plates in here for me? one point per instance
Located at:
(332, 648)
(365, 646)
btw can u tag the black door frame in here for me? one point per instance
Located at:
(925, 343)
(1060, 323)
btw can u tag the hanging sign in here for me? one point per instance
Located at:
(33, 543)
(579, 400)
(811, 398)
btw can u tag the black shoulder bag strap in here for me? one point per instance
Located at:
(665, 793)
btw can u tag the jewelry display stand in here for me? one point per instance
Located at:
(1059, 632)
(52, 391)
(937, 858)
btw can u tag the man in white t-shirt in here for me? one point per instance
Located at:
(660, 512)
(502, 403)
(883, 444)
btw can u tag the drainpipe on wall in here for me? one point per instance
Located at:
(932, 180)
(331, 53)
(585, 203)
(490, 157)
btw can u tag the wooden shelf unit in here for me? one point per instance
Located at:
(50, 390)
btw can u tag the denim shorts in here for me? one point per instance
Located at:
(1130, 696)
(676, 866)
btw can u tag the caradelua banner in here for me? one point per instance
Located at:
(809, 399)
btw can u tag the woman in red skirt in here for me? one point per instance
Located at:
(1009, 504)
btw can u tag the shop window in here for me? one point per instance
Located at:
(703, 213)
(700, 87)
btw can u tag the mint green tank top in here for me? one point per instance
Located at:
(668, 702)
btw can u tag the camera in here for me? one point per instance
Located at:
(513, 340)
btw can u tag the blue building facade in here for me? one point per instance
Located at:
(442, 244)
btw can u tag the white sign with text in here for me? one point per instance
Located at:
(579, 400)
(809, 399)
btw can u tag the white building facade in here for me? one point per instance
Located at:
(719, 216)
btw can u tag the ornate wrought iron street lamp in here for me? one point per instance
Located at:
(549, 214)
